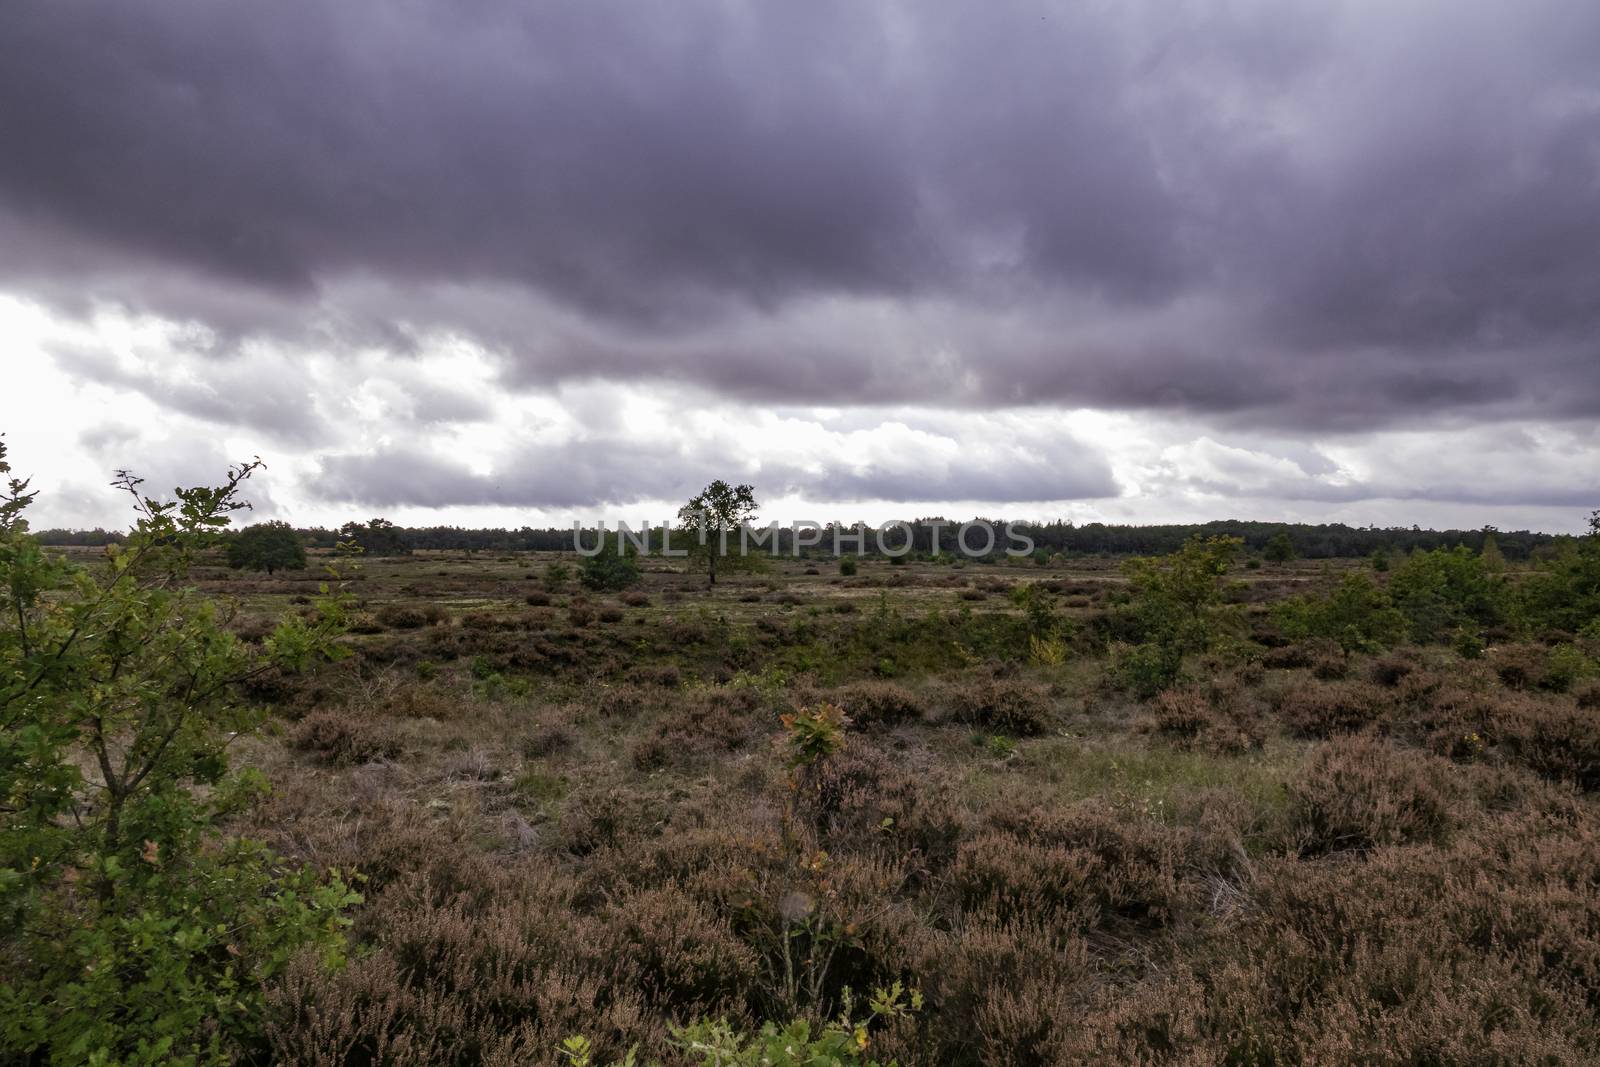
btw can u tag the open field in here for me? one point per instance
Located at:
(575, 813)
(812, 534)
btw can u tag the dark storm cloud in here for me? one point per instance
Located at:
(1338, 216)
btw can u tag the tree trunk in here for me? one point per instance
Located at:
(110, 842)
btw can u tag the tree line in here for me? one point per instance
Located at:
(1307, 541)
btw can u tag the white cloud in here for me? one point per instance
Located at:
(434, 437)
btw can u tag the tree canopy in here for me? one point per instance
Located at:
(1279, 548)
(376, 537)
(714, 516)
(267, 546)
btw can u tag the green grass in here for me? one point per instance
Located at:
(540, 786)
(1127, 773)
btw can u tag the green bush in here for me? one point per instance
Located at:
(1564, 594)
(1176, 608)
(1445, 590)
(1280, 549)
(1357, 614)
(1146, 669)
(267, 546)
(135, 934)
(556, 575)
(608, 571)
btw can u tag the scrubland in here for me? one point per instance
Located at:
(1080, 813)
(440, 808)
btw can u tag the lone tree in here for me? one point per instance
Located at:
(714, 514)
(1280, 549)
(267, 546)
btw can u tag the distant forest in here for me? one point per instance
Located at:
(1311, 542)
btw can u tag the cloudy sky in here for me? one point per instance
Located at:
(506, 262)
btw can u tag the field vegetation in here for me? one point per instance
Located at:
(440, 807)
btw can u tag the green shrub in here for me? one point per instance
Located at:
(1357, 614)
(814, 733)
(1564, 593)
(267, 546)
(1555, 669)
(1445, 590)
(134, 933)
(556, 575)
(1146, 669)
(847, 566)
(716, 1043)
(1468, 644)
(1566, 667)
(608, 571)
(1280, 549)
(1176, 608)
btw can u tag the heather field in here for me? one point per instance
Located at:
(606, 815)
(814, 534)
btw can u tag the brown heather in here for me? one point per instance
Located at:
(1310, 709)
(572, 825)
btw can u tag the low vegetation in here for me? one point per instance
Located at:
(1168, 810)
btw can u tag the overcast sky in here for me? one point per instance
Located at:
(506, 262)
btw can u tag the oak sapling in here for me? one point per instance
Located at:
(136, 933)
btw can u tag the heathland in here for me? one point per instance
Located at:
(1198, 808)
